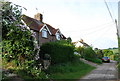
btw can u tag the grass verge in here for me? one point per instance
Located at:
(69, 71)
(62, 72)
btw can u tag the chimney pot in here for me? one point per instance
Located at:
(39, 17)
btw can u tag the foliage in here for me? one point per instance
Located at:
(95, 60)
(107, 52)
(69, 40)
(10, 17)
(59, 51)
(119, 55)
(99, 53)
(89, 53)
(80, 50)
(18, 41)
(116, 56)
(32, 74)
(69, 70)
(20, 50)
(119, 67)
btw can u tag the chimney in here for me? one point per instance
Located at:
(39, 17)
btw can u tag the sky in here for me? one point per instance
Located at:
(79, 19)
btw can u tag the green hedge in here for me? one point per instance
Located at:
(89, 53)
(95, 60)
(58, 52)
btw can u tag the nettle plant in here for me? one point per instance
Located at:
(19, 43)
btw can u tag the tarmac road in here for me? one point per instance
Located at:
(105, 71)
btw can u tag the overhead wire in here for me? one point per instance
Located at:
(110, 30)
(112, 11)
(103, 36)
(91, 29)
(105, 33)
(109, 10)
(98, 30)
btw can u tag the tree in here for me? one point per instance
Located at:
(107, 52)
(99, 53)
(19, 42)
(89, 53)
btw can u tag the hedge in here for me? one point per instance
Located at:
(89, 53)
(59, 53)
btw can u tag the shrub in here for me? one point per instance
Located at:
(31, 74)
(80, 50)
(95, 60)
(119, 67)
(99, 54)
(89, 53)
(19, 43)
(107, 52)
(59, 52)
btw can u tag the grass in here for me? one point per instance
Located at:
(70, 71)
(115, 51)
(62, 72)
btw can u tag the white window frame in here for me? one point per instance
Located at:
(57, 36)
(44, 33)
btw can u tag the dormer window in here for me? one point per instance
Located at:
(57, 36)
(44, 33)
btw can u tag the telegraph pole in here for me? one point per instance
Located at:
(118, 29)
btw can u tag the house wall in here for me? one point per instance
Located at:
(44, 40)
(41, 40)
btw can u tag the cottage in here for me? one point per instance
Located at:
(44, 32)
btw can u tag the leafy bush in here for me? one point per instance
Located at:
(99, 53)
(107, 52)
(59, 52)
(20, 49)
(119, 67)
(18, 41)
(116, 57)
(80, 50)
(95, 60)
(31, 75)
(89, 53)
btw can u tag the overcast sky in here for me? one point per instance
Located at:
(80, 19)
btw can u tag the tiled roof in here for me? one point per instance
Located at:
(37, 25)
(32, 23)
(63, 36)
(53, 30)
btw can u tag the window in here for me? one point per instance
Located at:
(44, 33)
(57, 36)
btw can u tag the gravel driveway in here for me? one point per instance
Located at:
(106, 71)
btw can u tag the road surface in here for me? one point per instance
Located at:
(106, 71)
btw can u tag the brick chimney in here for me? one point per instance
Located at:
(39, 17)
